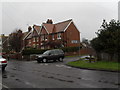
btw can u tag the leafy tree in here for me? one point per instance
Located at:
(108, 38)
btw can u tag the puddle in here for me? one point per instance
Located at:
(4, 76)
(12, 76)
(79, 78)
(14, 69)
(58, 79)
(18, 80)
(117, 84)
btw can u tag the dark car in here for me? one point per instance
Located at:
(55, 54)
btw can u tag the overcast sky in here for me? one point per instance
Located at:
(87, 16)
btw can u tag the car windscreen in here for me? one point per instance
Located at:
(46, 53)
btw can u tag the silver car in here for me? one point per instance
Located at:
(3, 63)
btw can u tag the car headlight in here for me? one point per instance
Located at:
(39, 56)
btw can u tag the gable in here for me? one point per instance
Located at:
(37, 28)
(34, 33)
(72, 27)
(43, 31)
(49, 27)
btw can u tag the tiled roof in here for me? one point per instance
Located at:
(58, 27)
(29, 36)
(62, 25)
(49, 27)
(24, 34)
(37, 28)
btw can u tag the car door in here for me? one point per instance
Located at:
(56, 54)
(51, 55)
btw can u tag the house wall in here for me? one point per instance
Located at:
(72, 34)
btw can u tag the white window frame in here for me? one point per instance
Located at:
(74, 41)
(41, 43)
(59, 36)
(53, 37)
(34, 45)
(34, 39)
(46, 37)
(37, 39)
(29, 41)
(42, 38)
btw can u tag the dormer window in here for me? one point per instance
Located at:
(59, 36)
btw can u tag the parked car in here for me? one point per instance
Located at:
(3, 63)
(55, 54)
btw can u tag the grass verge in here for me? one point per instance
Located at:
(100, 65)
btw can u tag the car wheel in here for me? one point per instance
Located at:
(44, 60)
(61, 59)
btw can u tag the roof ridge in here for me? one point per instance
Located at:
(63, 21)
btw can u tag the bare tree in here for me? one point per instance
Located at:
(15, 40)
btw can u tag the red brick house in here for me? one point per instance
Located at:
(31, 39)
(49, 35)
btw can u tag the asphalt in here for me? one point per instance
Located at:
(52, 75)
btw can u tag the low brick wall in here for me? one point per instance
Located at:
(13, 56)
(87, 51)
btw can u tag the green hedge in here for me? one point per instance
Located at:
(40, 51)
(70, 49)
(33, 51)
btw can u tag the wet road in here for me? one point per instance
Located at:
(30, 74)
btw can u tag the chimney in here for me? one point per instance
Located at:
(49, 21)
(29, 28)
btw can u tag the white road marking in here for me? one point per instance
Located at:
(58, 65)
(45, 64)
(27, 83)
(63, 66)
(68, 67)
(34, 86)
(4, 85)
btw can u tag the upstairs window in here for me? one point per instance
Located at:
(37, 39)
(29, 41)
(34, 39)
(42, 38)
(59, 36)
(46, 38)
(53, 37)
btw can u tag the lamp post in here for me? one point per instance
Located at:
(8, 56)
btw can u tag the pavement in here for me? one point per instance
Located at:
(30, 74)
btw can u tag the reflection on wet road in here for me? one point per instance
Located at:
(30, 74)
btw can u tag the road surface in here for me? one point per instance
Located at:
(30, 74)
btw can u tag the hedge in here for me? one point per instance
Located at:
(40, 51)
(70, 49)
